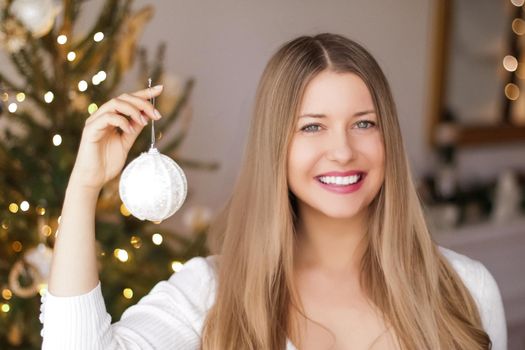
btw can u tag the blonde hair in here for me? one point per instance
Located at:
(402, 271)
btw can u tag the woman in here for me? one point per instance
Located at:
(322, 245)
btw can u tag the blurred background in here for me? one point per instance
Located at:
(456, 69)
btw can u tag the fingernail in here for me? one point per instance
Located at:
(157, 113)
(144, 121)
(158, 87)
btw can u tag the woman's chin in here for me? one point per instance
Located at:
(338, 214)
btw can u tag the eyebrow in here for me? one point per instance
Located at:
(315, 115)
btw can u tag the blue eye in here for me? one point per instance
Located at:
(308, 128)
(371, 123)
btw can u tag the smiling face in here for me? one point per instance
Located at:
(335, 142)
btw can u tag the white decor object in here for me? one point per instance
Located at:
(153, 186)
(38, 16)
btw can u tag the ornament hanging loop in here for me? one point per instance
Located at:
(152, 101)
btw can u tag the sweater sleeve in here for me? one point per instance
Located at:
(492, 312)
(169, 316)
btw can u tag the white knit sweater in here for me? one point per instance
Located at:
(171, 316)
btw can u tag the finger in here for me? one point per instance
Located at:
(141, 94)
(146, 107)
(100, 126)
(148, 93)
(120, 106)
(128, 139)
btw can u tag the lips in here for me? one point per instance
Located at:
(340, 188)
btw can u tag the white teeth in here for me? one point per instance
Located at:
(340, 180)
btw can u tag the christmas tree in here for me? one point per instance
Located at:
(58, 79)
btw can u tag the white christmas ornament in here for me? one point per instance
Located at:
(40, 257)
(36, 15)
(153, 186)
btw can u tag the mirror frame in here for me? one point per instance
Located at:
(466, 135)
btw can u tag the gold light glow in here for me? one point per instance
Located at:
(92, 108)
(5, 308)
(156, 239)
(128, 293)
(71, 55)
(13, 208)
(7, 294)
(518, 26)
(136, 242)
(510, 63)
(512, 91)
(98, 37)
(62, 39)
(49, 97)
(12, 107)
(176, 266)
(57, 140)
(24, 206)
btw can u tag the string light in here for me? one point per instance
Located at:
(49, 97)
(101, 75)
(512, 91)
(20, 97)
(24, 206)
(40, 210)
(7, 294)
(82, 85)
(136, 242)
(518, 26)
(176, 266)
(71, 55)
(62, 39)
(95, 80)
(92, 108)
(128, 293)
(510, 63)
(12, 107)
(57, 140)
(98, 78)
(98, 37)
(13, 208)
(121, 254)
(5, 308)
(156, 239)
(5, 97)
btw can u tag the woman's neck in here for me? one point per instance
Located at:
(334, 245)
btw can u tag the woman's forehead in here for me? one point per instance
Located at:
(336, 93)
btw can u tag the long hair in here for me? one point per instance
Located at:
(402, 271)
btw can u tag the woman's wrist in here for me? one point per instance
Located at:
(77, 184)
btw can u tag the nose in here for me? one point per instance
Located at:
(340, 147)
